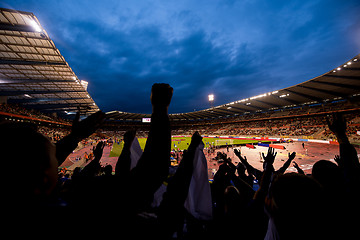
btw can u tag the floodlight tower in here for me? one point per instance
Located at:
(211, 99)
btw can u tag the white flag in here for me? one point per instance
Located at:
(135, 153)
(199, 202)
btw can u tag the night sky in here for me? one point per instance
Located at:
(233, 49)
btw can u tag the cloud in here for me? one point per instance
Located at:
(135, 60)
(234, 49)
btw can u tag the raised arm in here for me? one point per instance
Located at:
(153, 166)
(299, 170)
(348, 155)
(79, 131)
(287, 163)
(251, 170)
(122, 168)
(266, 177)
(171, 211)
(93, 167)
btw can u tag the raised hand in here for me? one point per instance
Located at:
(339, 161)
(98, 151)
(337, 124)
(298, 168)
(238, 154)
(270, 156)
(83, 129)
(292, 156)
(161, 94)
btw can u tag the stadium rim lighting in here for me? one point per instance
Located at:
(36, 26)
(211, 97)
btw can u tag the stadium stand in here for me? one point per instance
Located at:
(154, 199)
(33, 72)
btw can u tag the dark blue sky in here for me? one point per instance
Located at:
(233, 49)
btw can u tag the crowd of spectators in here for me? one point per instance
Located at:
(20, 110)
(297, 127)
(53, 133)
(93, 202)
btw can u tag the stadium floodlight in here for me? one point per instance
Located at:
(84, 84)
(36, 26)
(211, 99)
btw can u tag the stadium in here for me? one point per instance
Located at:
(38, 86)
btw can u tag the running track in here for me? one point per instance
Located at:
(305, 159)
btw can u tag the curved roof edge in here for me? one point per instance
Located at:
(342, 82)
(32, 70)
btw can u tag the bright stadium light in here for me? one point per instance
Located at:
(84, 84)
(211, 99)
(36, 26)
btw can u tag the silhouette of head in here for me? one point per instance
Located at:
(295, 200)
(29, 163)
(327, 173)
(108, 170)
(232, 199)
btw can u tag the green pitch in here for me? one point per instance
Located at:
(183, 143)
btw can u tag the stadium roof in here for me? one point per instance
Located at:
(32, 70)
(34, 73)
(342, 82)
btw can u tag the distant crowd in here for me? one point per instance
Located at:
(148, 198)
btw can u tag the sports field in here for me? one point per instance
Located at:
(181, 143)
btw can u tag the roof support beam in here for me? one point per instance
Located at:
(304, 95)
(286, 99)
(24, 81)
(267, 103)
(23, 62)
(228, 112)
(325, 91)
(343, 77)
(29, 45)
(199, 114)
(348, 86)
(19, 28)
(56, 106)
(252, 106)
(22, 92)
(70, 109)
(238, 106)
(40, 100)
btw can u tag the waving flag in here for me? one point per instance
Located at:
(198, 201)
